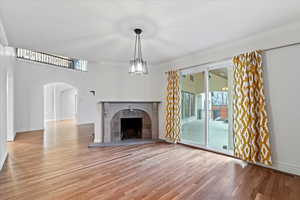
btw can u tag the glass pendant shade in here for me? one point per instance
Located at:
(138, 66)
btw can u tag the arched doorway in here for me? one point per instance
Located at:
(60, 113)
(60, 102)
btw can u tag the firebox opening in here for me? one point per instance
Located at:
(131, 128)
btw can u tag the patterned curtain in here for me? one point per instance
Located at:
(250, 117)
(173, 126)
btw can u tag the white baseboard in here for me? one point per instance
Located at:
(13, 138)
(277, 165)
(2, 161)
(286, 167)
(85, 123)
(49, 120)
(30, 130)
(57, 120)
(97, 141)
(66, 118)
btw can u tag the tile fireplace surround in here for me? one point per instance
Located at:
(110, 113)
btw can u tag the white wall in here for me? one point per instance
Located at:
(6, 97)
(49, 102)
(6, 67)
(282, 70)
(3, 107)
(67, 104)
(10, 101)
(110, 81)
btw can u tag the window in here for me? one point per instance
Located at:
(80, 65)
(219, 98)
(59, 61)
(188, 100)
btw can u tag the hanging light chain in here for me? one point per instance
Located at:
(135, 46)
(140, 47)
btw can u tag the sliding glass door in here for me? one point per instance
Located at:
(193, 108)
(206, 107)
(219, 109)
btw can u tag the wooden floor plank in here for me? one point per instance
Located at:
(57, 164)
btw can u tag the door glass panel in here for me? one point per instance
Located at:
(193, 108)
(219, 110)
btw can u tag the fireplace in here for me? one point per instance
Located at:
(130, 124)
(118, 121)
(131, 128)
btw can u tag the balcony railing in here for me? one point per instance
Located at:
(59, 61)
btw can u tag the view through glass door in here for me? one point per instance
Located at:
(193, 108)
(207, 108)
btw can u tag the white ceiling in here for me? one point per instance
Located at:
(101, 30)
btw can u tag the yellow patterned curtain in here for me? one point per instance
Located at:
(173, 107)
(250, 117)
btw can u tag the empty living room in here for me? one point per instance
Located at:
(149, 100)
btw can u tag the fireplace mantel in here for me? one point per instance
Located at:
(106, 110)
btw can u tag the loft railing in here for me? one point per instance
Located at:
(59, 61)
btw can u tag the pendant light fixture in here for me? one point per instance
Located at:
(138, 65)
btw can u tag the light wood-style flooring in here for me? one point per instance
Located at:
(57, 164)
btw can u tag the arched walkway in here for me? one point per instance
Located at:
(60, 113)
(60, 102)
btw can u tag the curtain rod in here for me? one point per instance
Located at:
(227, 58)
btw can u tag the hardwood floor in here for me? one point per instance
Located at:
(58, 165)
